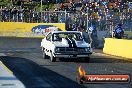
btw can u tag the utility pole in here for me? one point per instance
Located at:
(88, 27)
(41, 10)
(87, 18)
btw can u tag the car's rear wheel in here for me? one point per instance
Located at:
(52, 58)
(44, 55)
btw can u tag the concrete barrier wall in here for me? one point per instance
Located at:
(118, 47)
(20, 29)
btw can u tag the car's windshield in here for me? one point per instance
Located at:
(73, 35)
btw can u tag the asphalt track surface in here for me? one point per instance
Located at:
(24, 59)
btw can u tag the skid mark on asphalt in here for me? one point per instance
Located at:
(69, 69)
(33, 75)
(96, 67)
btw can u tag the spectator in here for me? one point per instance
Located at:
(46, 17)
(66, 8)
(34, 15)
(30, 16)
(93, 35)
(73, 7)
(59, 1)
(10, 13)
(0, 13)
(68, 19)
(20, 15)
(69, 27)
(5, 14)
(118, 32)
(85, 1)
(55, 17)
(85, 35)
(62, 6)
(14, 14)
(130, 5)
(38, 17)
(26, 15)
(61, 18)
(52, 18)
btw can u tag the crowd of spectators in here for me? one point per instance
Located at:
(102, 7)
(97, 10)
(19, 15)
(74, 13)
(33, 16)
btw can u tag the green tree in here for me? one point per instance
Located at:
(6, 3)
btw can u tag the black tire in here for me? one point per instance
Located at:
(44, 55)
(87, 59)
(52, 58)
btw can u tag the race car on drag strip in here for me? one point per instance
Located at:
(65, 44)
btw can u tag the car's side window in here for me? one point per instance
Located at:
(49, 37)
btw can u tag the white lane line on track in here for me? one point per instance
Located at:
(6, 68)
(112, 56)
(7, 79)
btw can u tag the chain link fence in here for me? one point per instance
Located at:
(102, 21)
(74, 19)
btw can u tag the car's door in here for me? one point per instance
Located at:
(48, 42)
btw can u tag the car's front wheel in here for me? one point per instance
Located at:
(87, 59)
(52, 58)
(44, 55)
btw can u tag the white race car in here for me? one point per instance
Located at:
(65, 44)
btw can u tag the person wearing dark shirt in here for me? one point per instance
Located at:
(93, 34)
(69, 27)
(85, 35)
(20, 15)
(118, 32)
(5, 14)
(14, 14)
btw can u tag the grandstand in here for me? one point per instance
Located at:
(102, 13)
